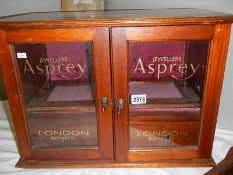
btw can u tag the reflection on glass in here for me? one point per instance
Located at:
(58, 90)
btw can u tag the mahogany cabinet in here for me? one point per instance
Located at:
(122, 88)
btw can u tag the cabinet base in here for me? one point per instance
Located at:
(110, 164)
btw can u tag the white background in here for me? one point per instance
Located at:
(225, 118)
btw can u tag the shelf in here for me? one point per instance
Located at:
(72, 92)
(76, 98)
(164, 98)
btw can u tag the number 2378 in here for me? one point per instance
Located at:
(138, 99)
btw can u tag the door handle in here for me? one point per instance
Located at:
(104, 103)
(120, 105)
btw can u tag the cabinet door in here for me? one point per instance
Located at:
(63, 76)
(165, 80)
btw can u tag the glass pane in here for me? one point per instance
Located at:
(166, 81)
(164, 134)
(59, 93)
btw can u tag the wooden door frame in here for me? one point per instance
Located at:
(99, 36)
(219, 38)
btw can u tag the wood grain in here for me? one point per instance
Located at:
(108, 164)
(120, 83)
(190, 32)
(49, 35)
(13, 93)
(213, 86)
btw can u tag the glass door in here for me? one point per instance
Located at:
(65, 96)
(166, 82)
(159, 85)
(59, 93)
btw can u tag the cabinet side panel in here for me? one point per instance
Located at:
(213, 86)
(12, 88)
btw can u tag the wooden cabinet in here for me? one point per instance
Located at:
(115, 88)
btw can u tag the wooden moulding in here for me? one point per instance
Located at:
(110, 164)
(156, 17)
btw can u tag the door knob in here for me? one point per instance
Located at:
(120, 105)
(104, 103)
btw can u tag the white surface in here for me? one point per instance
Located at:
(9, 156)
(9, 7)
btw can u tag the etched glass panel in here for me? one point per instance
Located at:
(58, 87)
(166, 83)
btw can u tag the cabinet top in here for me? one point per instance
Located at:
(152, 17)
